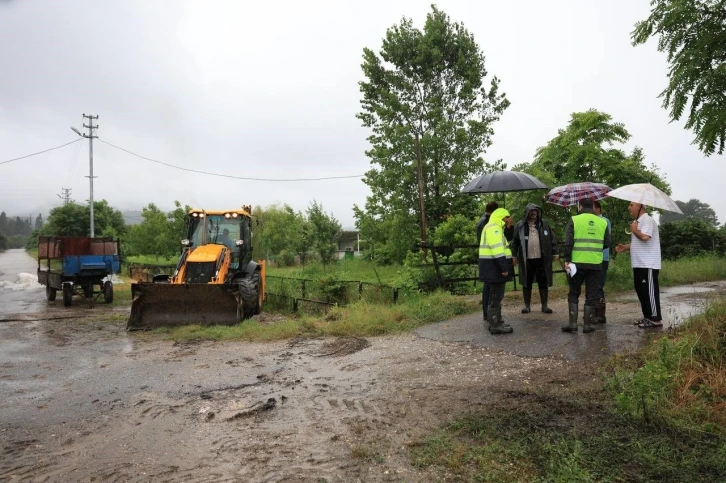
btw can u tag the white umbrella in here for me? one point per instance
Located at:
(646, 194)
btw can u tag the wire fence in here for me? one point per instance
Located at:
(310, 296)
(331, 290)
(145, 273)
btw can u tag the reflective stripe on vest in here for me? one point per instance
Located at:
(492, 243)
(589, 235)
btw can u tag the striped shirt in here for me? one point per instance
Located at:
(645, 254)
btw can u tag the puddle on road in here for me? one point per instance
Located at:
(667, 292)
(685, 290)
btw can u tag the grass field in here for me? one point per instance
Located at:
(658, 416)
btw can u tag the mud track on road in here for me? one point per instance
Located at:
(84, 400)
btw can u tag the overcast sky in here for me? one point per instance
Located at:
(270, 90)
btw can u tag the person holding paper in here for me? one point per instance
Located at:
(586, 236)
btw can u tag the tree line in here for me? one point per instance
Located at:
(14, 231)
(279, 234)
(431, 106)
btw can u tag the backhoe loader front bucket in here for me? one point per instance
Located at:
(170, 305)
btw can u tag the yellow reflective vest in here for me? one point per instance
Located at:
(493, 244)
(589, 234)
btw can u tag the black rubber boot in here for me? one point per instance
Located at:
(599, 316)
(495, 322)
(543, 295)
(573, 313)
(589, 311)
(527, 293)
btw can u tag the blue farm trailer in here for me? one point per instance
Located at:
(78, 265)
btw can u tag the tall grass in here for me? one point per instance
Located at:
(673, 272)
(346, 269)
(551, 440)
(660, 417)
(359, 319)
(679, 379)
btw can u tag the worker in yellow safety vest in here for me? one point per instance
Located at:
(586, 236)
(495, 266)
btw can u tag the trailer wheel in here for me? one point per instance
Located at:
(67, 294)
(108, 292)
(50, 293)
(250, 295)
(88, 290)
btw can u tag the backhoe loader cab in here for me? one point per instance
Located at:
(215, 281)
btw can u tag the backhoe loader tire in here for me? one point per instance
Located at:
(249, 290)
(67, 294)
(108, 292)
(50, 293)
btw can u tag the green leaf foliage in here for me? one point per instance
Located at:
(588, 149)
(693, 208)
(693, 35)
(73, 219)
(426, 102)
(280, 234)
(324, 232)
(690, 237)
(159, 234)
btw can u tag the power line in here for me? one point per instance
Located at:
(226, 175)
(39, 152)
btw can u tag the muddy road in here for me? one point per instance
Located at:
(84, 400)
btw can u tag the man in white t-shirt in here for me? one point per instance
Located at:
(644, 249)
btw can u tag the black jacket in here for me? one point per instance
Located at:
(547, 244)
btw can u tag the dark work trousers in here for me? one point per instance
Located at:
(592, 286)
(535, 269)
(648, 290)
(485, 292)
(604, 276)
(496, 294)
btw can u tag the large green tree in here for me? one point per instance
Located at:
(280, 234)
(693, 34)
(691, 237)
(325, 232)
(159, 234)
(693, 208)
(73, 219)
(588, 149)
(431, 114)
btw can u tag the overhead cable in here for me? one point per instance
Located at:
(39, 152)
(227, 175)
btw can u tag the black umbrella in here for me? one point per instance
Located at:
(503, 182)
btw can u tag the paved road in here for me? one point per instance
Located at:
(19, 288)
(539, 335)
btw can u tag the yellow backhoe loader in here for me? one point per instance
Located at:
(216, 282)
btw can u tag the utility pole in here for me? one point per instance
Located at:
(90, 176)
(66, 196)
